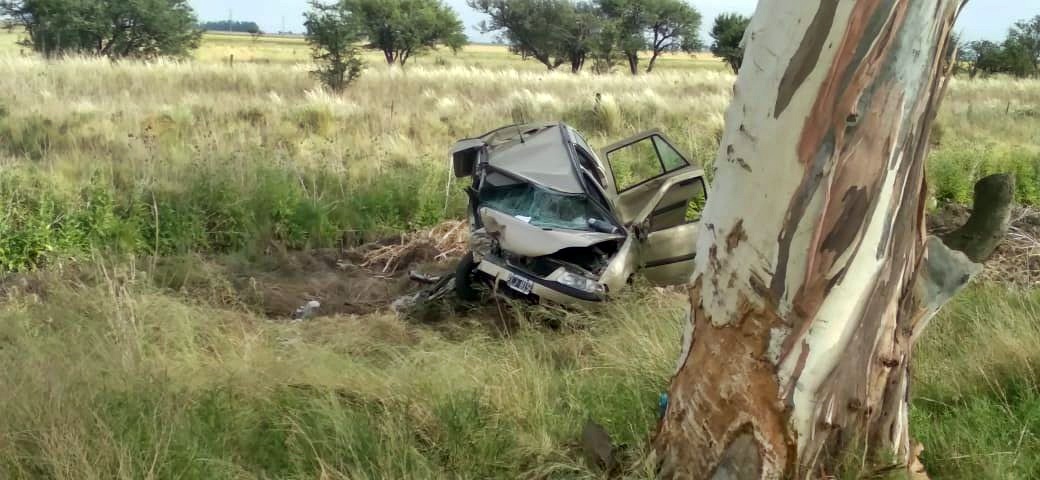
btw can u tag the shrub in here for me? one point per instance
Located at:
(333, 32)
(953, 171)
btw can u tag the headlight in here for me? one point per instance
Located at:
(581, 283)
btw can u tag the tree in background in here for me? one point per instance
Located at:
(111, 28)
(1016, 58)
(981, 56)
(582, 34)
(1025, 35)
(673, 27)
(402, 29)
(727, 34)
(545, 30)
(629, 19)
(251, 28)
(555, 32)
(333, 33)
(1012, 57)
(655, 25)
(1018, 55)
(605, 52)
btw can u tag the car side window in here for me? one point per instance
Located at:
(670, 159)
(644, 160)
(635, 163)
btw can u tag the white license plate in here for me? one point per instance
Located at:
(520, 284)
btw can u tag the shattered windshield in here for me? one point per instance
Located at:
(540, 207)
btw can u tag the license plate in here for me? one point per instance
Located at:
(520, 284)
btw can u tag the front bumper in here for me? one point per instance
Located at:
(498, 273)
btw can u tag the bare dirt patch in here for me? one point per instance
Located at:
(356, 281)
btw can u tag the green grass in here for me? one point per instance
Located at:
(977, 397)
(111, 376)
(150, 383)
(208, 212)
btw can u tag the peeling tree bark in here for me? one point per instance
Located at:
(814, 272)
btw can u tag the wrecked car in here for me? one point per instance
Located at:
(552, 220)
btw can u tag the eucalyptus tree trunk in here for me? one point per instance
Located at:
(815, 274)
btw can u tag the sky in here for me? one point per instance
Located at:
(983, 19)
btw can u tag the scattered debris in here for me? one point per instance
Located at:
(437, 244)
(1017, 260)
(306, 311)
(408, 304)
(423, 277)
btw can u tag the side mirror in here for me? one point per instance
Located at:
(464, 157)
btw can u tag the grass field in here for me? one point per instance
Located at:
(120, 365)
(293, 50)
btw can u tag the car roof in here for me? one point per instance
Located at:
(540, 153)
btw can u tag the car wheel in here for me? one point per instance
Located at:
(464, 279)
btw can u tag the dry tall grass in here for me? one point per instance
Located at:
(110, 373)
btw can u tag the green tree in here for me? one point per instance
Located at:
(112, 28)
(673, 26)
(553, 32)
(402, 29)
(982, 56)
(333, 33)
(605, 51)
(655, 25)
(1012, 57)
(1016, 58)
(581, 34)
(630, 19)
(1026, 36)
(727, 34)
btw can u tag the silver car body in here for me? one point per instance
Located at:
(551, 221)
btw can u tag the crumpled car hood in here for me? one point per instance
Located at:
(521, 238)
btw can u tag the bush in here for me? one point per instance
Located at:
(333, 33)
(953, 171)
(214, 210)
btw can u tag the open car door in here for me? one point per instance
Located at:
(659, 195)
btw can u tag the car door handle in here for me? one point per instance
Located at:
(687, 183)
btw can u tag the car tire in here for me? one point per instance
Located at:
(464, 288)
